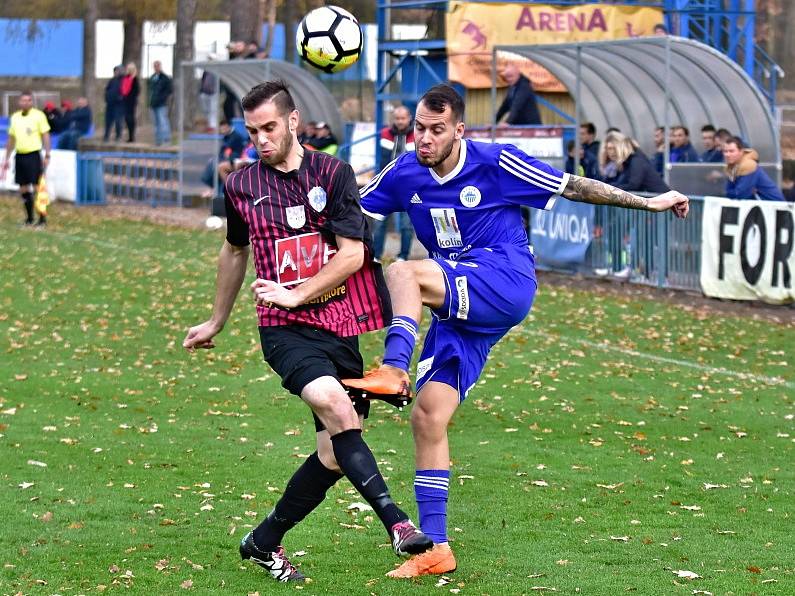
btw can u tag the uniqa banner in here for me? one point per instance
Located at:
(747, 250)
(561, 236)
(474, 28)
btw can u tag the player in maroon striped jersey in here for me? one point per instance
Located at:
(316, 290)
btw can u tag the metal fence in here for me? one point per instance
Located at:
(151, 178)
(642, 247)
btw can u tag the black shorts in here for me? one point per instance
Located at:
(301, 354)
(28, 168)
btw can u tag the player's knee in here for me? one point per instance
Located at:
(399, 272)
(335, 411)
(425, 422)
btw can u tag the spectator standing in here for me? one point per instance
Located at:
(659, 149)
(114, 105)
(712, 154)
(160, 89)
(681, 148)
(746, 180)
(208, 98)
(520, 101)
(396, 139)
(28, 132)
(130, 89)
(590, 147)
(78, 124)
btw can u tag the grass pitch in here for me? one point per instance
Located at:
(614, 444)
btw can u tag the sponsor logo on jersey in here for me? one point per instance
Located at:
(317, 198)
(423, 366)
(300, 257)
(415, 198)
(470, 196)
(296, 216)
(463, 297)
(445, 224)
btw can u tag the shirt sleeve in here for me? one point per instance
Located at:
(44, 126)
(345, 217)
(236, 227)
(378, 200)
(524, 180)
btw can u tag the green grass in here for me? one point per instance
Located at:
(580, 459)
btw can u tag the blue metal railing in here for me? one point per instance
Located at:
(643, 247)
(151, 178)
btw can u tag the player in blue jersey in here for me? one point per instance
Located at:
(464, 201)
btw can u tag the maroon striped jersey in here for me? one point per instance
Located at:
(291, 219)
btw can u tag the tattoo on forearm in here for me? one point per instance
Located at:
(593, 191)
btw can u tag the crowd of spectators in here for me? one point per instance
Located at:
(69, 122)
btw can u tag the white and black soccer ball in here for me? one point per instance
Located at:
(329, 38)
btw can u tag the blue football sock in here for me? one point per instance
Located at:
(399, 343)
(430, 490)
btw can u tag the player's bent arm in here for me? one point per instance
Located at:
(586, 190)
(348, 259)
(232, 263)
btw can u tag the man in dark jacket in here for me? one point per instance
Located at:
(78, 123)
(590, 147)
(114, 105)
(520, 101)
(746, 180)
(681, 148)
(712, 153)
(160, 89)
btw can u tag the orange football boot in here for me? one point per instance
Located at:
(438, 560)
(387, 383)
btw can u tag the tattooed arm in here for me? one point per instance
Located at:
(586, 190)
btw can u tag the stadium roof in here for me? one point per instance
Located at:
(311, 96)
(625, 84)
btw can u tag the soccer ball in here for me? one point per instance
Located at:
(214, 222)
(329, 38)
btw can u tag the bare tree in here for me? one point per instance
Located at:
(183, 77)
(89, 48)
(244, 22)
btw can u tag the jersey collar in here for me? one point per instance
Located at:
(454, 172)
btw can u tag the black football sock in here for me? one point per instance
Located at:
(356, 460)
(305, 491)
(28, 198)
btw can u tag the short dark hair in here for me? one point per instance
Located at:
(707, 128)
(440, 96)
(661, 27)
(737, 141)
(26, 92)
(224, 122)
(723, 133)
(683, 127)
(589, 127)
(275, 91)
(659, 128)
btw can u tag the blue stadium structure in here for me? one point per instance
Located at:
(406, 67)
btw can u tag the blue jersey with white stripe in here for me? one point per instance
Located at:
(476, 205)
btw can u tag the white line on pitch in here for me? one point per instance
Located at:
(653, 357)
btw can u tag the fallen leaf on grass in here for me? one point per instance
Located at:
(540, 483)
(543, 589)
(754, 569)
(708, 486)
(620, 538)
(610, 486)
(187, 584)
(24, 485)
(684, 574)
(40, 464)
(46, 517)
(161, 564)
(360, 506)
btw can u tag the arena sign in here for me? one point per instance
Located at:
(748, 250)
(473, 28)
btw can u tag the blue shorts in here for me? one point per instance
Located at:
(488, 291)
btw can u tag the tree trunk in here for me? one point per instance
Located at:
(133, 39)
(90, 48)
(183, 52)
(244, 26)
(289, 35)
(271, 12)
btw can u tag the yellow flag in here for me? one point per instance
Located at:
(42, 197)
